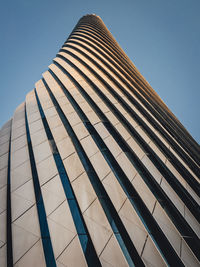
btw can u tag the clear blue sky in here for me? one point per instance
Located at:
(161, 37)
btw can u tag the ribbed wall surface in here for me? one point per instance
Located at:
(94, 168)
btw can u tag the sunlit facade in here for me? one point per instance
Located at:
(95, 170)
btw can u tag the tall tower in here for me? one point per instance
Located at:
(95, 170)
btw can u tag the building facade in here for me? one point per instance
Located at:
(94, 168)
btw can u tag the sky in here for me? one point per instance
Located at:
(161, 37)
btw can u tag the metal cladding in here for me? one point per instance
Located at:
(95, 170)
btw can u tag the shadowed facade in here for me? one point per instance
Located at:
(95, 170)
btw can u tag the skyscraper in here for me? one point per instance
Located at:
(95, 169)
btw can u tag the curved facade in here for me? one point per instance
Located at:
(94, 168)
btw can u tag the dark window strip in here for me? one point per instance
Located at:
(117, 226)
(81, 228)
(151, 225)
(161, 114)
(182, 170)
(176, 185)
(149, 132)
(182, 226)
(44, 229)
(9, 212)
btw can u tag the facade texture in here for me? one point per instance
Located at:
(94, 168)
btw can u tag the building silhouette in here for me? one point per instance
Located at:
(95, 170)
